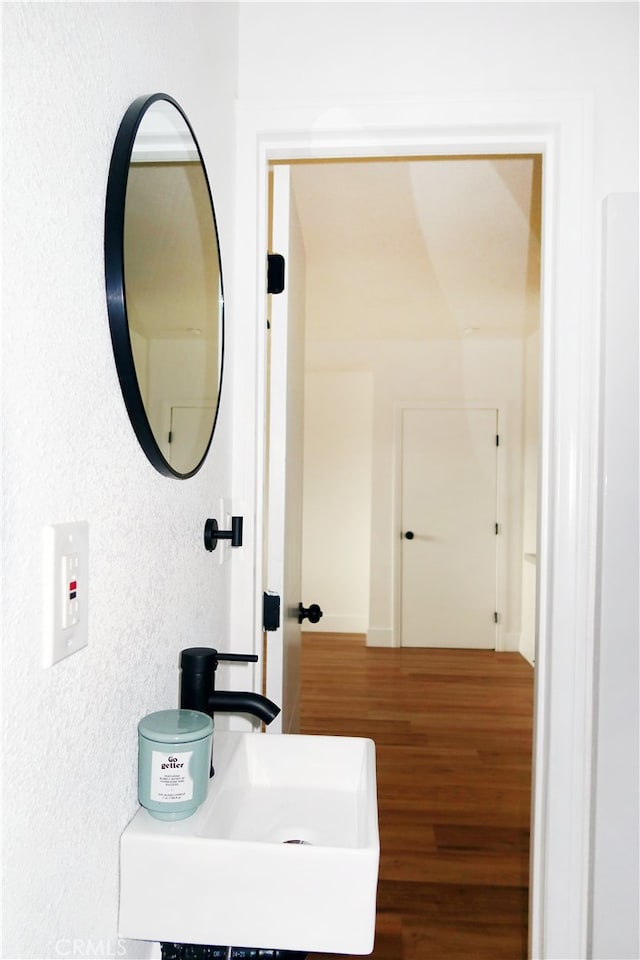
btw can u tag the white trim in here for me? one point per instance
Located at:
(511, 643)
(336, 623)
(379, 637)
(561, 130)
(501, 508)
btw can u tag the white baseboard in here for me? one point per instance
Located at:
(336, 624)
(379, 637)
(511, 642)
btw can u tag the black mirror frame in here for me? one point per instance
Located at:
(115, 283)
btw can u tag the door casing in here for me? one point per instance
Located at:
(283, 500)
(561, 130)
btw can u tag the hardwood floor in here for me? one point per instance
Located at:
(453, 734)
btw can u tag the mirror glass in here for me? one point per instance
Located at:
(164, 285)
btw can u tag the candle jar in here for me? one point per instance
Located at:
(174, 761)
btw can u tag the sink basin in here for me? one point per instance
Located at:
(230, 875)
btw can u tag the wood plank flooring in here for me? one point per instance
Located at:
(453, 734)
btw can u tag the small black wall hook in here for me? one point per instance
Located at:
(212, 534)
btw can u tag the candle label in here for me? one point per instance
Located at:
(171, 780)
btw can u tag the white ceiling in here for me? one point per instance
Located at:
(416, 249)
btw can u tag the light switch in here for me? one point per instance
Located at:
(69, 586)
(66, 590)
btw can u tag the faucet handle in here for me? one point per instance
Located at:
(206, 659)
(198, 659)
(239, 657)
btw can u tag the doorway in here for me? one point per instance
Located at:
(402, 310)
(568, 425)
(468, 436)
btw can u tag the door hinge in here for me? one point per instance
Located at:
(270, 610)
(497, 529)
(496, 618)
(275, 273)
(170, 437)
(497, 439)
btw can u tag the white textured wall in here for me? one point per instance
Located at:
(70, 751)
(342, 51)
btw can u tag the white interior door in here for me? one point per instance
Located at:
(285, 448)
(189, 434)
(449, 486)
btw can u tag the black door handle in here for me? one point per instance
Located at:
(314, 613)
(409, 535)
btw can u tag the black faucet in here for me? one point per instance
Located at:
(197, 687)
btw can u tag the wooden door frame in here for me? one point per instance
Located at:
(399, 408)
(561, 129)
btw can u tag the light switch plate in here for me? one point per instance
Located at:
(66, 590)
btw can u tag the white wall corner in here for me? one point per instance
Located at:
(380, 637)
(511, 642)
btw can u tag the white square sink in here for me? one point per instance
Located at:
(228, 875)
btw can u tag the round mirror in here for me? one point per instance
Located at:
(164, 285)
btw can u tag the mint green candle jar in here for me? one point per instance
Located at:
(174, 758)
